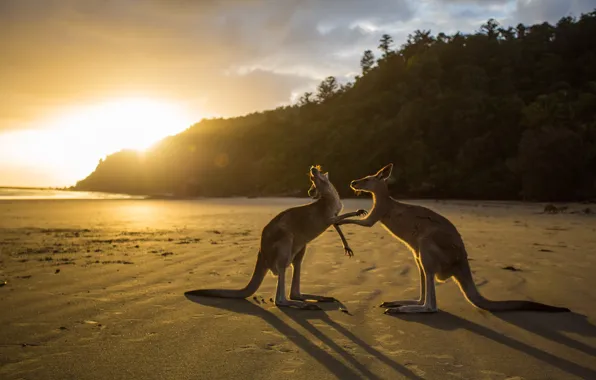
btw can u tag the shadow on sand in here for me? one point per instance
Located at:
(551, 326)
(304, 318)
(567, 322)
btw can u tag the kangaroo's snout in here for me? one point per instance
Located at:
(359, 185)
(355, 183)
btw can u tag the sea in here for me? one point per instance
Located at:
(15, 193)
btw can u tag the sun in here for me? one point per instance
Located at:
(129, 123)
(69, 145)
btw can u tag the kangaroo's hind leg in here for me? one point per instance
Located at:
(284, 250)
(295, 293)
(427, 255)
(420, 300)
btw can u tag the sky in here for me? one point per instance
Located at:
(82, 79)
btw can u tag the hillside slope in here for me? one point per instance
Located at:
(505, 113)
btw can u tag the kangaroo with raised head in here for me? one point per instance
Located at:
(437, 246)
(284, 240)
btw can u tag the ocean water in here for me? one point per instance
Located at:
(7, 193)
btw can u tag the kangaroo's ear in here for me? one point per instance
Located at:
(385, 172)
(326, 175)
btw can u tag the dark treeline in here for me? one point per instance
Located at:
(504, 113)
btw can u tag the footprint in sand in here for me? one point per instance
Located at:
(292, 364)
(369, 269)
(398, 352)
(414, 368)
(273, 333)
(246, 347)
(387, 339)
(142, 338)
(89, 322)
(368, 294)
(279, 348)
(348, 346)
(446, 360)
(493, 373)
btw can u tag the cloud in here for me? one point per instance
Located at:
(60, 52)
(535, 11)
(266, 91)
(483, 3)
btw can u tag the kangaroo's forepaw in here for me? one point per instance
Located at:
(361, 212)
(410, 309)
(348, 251)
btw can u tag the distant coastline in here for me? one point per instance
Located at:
(70, 188)
(48, 193)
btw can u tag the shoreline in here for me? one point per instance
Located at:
(167, 196)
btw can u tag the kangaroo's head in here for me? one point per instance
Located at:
(320, 184)
(373, 183)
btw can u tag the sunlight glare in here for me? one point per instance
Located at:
(71, 144)
(133, 123)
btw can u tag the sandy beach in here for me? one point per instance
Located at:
(95, 289)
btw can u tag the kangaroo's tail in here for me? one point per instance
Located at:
(247, 291)
(463, 276)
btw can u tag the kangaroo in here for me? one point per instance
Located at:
(436, 244)
(284, 240)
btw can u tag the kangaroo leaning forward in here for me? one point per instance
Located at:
(437, 247)
(284, 240)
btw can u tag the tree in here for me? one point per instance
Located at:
(343, 88)
(327, 89)
(442, 37)
(385, 44)
(305, 99)
(491, 28)
(521, 30)
(551, 164)
(367, 61)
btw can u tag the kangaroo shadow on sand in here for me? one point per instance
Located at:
(447, 321)
(304, 321)
(302, 317)
(551, 326)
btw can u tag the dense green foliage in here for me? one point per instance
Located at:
(499, 114)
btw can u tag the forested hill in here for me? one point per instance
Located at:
(505, 113)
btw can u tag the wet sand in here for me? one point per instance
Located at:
(95, 289)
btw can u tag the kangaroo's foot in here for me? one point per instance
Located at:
(401, 303)
(411, 309)
(311, 297)
(297, 305)
(348, 251)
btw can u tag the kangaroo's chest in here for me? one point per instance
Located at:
(303, 237)
(407, 227)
